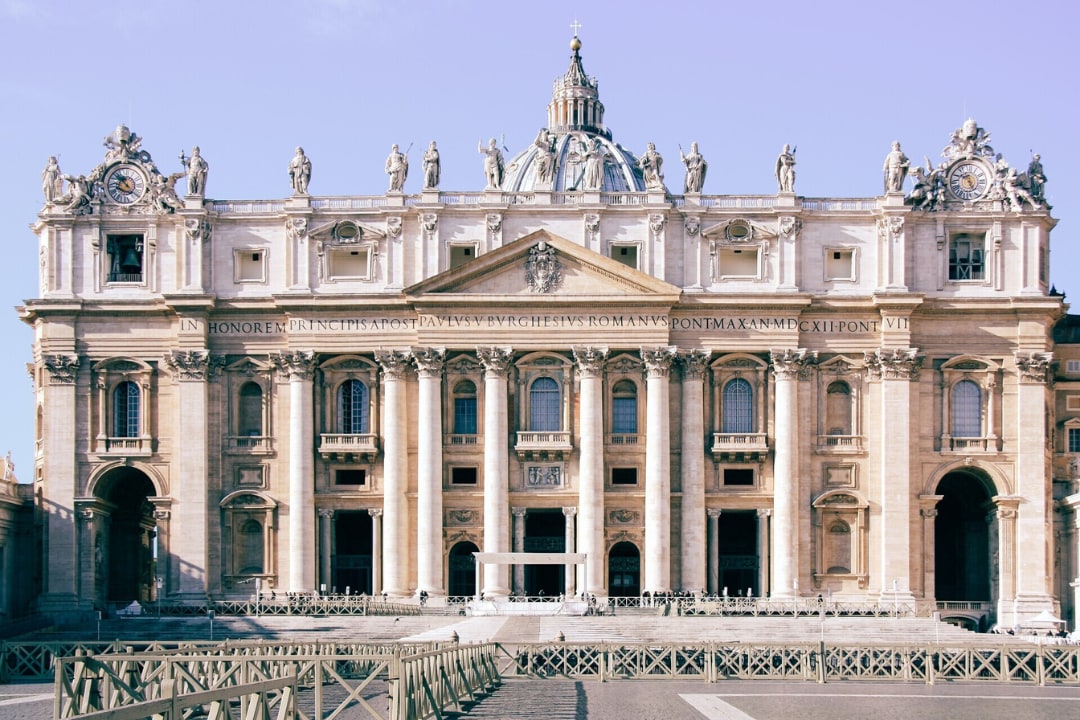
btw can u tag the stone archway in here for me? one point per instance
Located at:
(964, 539)
(123, 541)
(462, 569)
(624, 570)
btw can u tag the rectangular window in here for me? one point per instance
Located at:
(1072, 366)
(350, 264)
(738, 476)
(966, 257)
(249, 265)
(626, 254)
(465, 416)
(624, 415)
(350, 477)
(461, 254)
(463, 476)
(738, 262)
(624, 476)
(1074, 440)
(840, 264)
(1072, 403)
(125, 258)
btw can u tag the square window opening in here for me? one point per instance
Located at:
(625, 254)
(738, 476)
(624, 476)
(354, 476)
(463, 476)
(461, 254)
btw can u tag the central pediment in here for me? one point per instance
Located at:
(542, 267)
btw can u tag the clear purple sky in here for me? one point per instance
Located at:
(248, 81)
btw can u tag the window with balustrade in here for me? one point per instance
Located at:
(624, 408)
(352, 408)
(123, 410)
(127, 401)
(738, 391)
(465, 417)
(545, 405)
(738, 407)
(970, 402)
(839, 387)
(250, 410)
(841, 552)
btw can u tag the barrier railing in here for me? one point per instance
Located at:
(433, 682)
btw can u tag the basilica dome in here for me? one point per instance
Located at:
(558, 159)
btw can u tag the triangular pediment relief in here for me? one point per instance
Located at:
(740, 230)
(544, 267)
(347, 232)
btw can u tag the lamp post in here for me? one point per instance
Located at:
(158, 582)
(210, 614)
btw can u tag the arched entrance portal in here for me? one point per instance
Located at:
(463, 569)
(124, 555)
(624, 570)
(963, 538)
(352, 570)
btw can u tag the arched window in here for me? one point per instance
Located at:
(126, 410)
(838, 409)
(738, 398)
(624, 408)
(544, 411)
(465, 408)
(352, 408)
(250, 421)
(966, 409)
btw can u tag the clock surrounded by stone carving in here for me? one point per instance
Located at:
(969, 181)
(125, 184)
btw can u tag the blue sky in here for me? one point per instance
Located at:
(248, 81)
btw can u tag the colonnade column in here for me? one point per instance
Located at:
(429, 461)
(1033, 480)
(692, 516)
(62, 563)
(714, 550)
(657, 469)
(326, 549)
(590, 364)
(786, 364)
(518, 514)
(396, 556)
(571, 587)
(496, 362)
(376, 550)
(896, 369)
(299, 367)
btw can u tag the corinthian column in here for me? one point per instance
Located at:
(299, 367)
(590, 362)
(786, 364)
(693, 471)
(396, 555)
(496, 361)
(429, 545)
(63, 562)
(895, 369)
(657, 469)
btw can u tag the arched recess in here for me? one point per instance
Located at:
(966, 529)
(739, 407)
(123, 417)
(248, 531)
(970, 405)
(119, 536)
(461, 569)
(624, 570)
(840, 541)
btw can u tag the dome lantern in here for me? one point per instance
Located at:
(575, 99)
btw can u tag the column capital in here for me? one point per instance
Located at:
(791, 364)
(496, 360)
(193, 364)
(693, 363)
(429, 361)
(394, 363)
(295, 365)
(590, 360)
(570, 511)
(713, 512)
(375, 512)
(327, 513)
(658, 360)
(62, 368)
(1034, 368)
(894, 363)
(518, 511)
(764, 512)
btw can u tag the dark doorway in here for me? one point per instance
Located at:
(624, 570)
(124, 566)
(463, 569)
(352, 553)
(545, 532)
(737, 552)
(962, 538)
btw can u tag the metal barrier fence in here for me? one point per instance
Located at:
(433, 682)
(311, 605)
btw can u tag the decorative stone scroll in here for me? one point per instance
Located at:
(393, 226)
(295, 365)
(461, 516)
(791, 364)
(623, 516)
(62, 368)
(788, 226)
(496, 360)
(889, 228)
(394, 363)
(893, 363)
(592, 225)
(1034, 367)
(656, 224)
(429, 361)
(197, 230)
(691, 226)
(296, 228)
(658, 360)
(193, 364)
(590, 360)
(543, 272)
(429, 223)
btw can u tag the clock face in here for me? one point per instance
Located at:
(125, 184)
(969, 181)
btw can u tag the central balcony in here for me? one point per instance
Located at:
(249, 445)
(740, 447)
(543, 445)
(356, 448)
(125, 446)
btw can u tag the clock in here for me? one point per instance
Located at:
(125, 184)
(969, 181)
